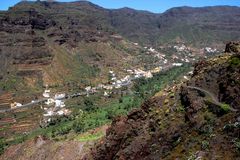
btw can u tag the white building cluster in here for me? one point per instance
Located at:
(116, 83)
(181, 48)
(46, 93)
(56, 104)
(51, 112)
(15, 105)
(177, 64)
(210, 50)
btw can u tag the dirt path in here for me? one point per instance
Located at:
(212, 96)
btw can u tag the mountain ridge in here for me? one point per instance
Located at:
(146, 19)
(129, 8)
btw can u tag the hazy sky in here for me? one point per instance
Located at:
(150, 5)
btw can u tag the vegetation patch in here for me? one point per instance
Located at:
(205, 145)
(90, 137)
(237, 144)
(235, 62)
(225, 107)
(2, 145)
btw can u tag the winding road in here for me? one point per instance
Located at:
(24, 105)
(214, 98)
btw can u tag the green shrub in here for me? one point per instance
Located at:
(237, 144)
(2, 145)
(225, 107)
(78, 126)
(90, 137)
(180, 108)
(192, 156)
(89, 105)
(205, 145)
(63, 130)
(235, 61)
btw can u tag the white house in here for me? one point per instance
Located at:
(156, 70)
(49, 101)
(63, 112)
(148, 74)
(18, 104)
(49, 113)
(151, 49)
(106, 94)
(59, 96)
(59, 103)
(60, 112)
(100, 86)
(130, 71)
(108, 87)
(113, 78)
(117, 86)
(46, 93)
(177, 64)
(15, 105)
(185, 77)
(88, 88)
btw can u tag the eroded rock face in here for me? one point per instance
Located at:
(20, 45)
(23, 49)
(233, 47)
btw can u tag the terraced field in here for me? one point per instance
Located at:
(18, 121)
(5, 100)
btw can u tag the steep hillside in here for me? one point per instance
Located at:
(42, 42)
(196, 119)
(37, 37)
(200, 26)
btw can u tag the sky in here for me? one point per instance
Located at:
(156, 6)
